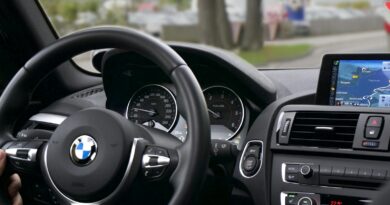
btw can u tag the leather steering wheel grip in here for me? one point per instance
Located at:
(193, 154)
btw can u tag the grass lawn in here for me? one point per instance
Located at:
(272, 53)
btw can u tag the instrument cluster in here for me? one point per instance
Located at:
(155, 106)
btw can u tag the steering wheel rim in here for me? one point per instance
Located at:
(193, 153)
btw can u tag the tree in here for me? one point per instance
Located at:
(252, 38)
(214, 23)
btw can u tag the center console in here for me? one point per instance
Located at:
(335, 152)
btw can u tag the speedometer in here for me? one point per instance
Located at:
(226, 112)
(153, 106)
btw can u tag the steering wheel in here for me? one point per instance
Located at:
(96, 154)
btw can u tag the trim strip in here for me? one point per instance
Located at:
(242, 158)
(48, 118)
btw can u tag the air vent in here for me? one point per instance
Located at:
(324, 129)
(87, 93)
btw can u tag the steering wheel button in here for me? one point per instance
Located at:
(18, 144)
(22, 153)
(150, 150)
(161, 152)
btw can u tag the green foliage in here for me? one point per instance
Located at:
(115, 18)
(64, 13)
(180, 4)
(90, 5)
(361, 5)
(272, 53)
(68, 10)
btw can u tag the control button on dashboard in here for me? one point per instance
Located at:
(253, 150)
(292, 168)
(250, 164)
(374, 122)
(305, 201)
(365, 173)
(291, 199)
(306, 170)
(370, 144)
(372, 132)
(325, 170)
(283, 133)
(379, 174)
(292, 177)
(338, 171)
(286, 127)
(351, 172)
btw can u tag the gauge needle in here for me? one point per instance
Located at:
(151, 112)
(216, 115)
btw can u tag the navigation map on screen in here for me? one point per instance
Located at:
(364, 83)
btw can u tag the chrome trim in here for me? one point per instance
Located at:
(48, 118)
(241, 103)
(324, 128)
(161, 161)
(102, 201)
(156, 85)
(242, 157)
(308, 172)
(305, 197)
(284, 165)
(281, 115)
(283, 196)
(31, 155)
(300, 163)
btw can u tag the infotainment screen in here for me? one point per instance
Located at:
(359, 82)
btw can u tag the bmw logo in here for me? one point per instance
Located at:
(83, 150)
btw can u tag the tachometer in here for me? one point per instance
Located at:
(153, 106)
(226, 111)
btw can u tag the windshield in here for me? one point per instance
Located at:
(270, 34)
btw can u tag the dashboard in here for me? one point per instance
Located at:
(318, 142)
(138, 89)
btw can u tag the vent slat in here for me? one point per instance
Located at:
(322, 125)
(340, 134)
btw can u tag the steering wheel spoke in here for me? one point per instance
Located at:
(24, 155)
(158, 163)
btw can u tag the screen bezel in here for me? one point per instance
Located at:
(325, 78)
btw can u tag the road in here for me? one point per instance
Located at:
(368, 42)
